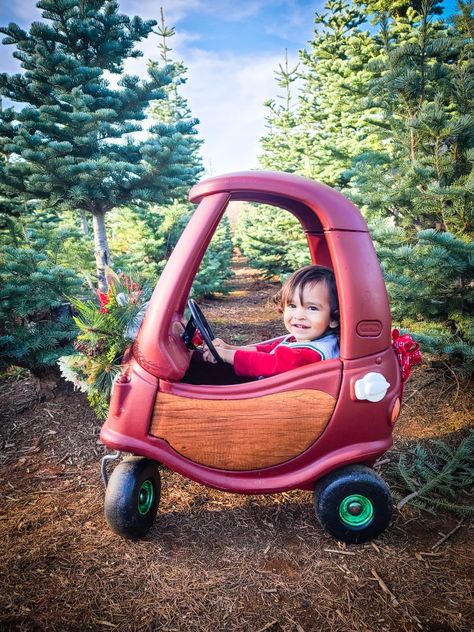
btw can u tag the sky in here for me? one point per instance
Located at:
(231, 49)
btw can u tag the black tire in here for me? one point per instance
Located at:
(353, 504)
(132, 497)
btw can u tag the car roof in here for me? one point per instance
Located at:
(316, 205)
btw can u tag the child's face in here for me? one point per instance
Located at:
(308, 319)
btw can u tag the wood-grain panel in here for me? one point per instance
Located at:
(242, 434)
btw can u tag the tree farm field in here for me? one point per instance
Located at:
(215, 561)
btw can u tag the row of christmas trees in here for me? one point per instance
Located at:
(381, 106)
(384, 113)
(80, 189)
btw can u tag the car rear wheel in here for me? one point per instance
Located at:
(353, 504)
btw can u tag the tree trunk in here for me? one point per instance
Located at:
(101, 250)
(412, 145)
(84, 224)
(46, 380)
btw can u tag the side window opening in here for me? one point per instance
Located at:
(261, 245)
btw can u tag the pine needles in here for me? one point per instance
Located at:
(438, 477)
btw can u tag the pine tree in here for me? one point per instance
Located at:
(64, 243)
(143, 237)
(73, 144)
(431, 293)
(141, 233)
(318, 136)
(334, 126)
(423, 85)
(136, 245)
(394, 8)
(35, 327)
(216, 266)
(272, 240)
(436, 475)
(282, 150)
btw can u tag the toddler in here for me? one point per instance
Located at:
(308, 301)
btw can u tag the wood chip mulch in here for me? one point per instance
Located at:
(215, 561)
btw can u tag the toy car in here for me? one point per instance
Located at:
(319, 427)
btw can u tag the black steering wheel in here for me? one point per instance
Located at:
(199, 321)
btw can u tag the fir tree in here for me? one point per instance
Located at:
(64, 242)
(216, 266)
(272, 240)
(281, 145)
(174, 110)
(35, 326)
(73, 144)
(388, 117)
(436, 475)
(318, 136)
(334, 126)
(431, 291)
(424, 90)
(144, 236)
(394, 8)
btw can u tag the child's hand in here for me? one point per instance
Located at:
(225, 350)
(207, 355)
(218, 342)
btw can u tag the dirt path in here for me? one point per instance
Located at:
(215, 561)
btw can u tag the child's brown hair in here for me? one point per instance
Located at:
(303, 277)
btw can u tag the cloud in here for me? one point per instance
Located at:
(23, 11)
(231, 11)
(225, 91)
(297, 19)
(175, 10)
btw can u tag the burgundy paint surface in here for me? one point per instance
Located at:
(359, 431)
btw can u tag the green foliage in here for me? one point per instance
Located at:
(272, 240)
(33, 330)
(215, 268)
(438, 477)
(106, 328)
(387, 116)
(281, 145)
(335, 79)
(422, 85)
(73, 145)
(318, 135)
(429, 281)
(175, 107)
(142, 239)
(62, 239)
(397, 8)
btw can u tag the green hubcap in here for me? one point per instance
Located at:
(146, 496)
(356, 511)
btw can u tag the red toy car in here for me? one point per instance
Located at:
(319, 427)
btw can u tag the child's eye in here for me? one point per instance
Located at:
(313, 308)
(292, 305)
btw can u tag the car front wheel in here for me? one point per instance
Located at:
(132, 497)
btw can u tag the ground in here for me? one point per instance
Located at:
(215, 561)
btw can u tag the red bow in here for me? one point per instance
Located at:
(408, 352)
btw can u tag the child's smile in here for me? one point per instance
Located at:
(308, 316)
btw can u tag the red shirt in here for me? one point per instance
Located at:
(264, 363)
